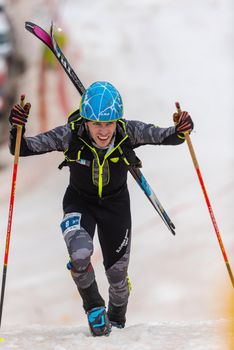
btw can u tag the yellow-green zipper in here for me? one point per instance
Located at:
(100, 166)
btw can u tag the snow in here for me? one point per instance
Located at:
(156, 52)
(183, 335)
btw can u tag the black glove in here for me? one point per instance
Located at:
(19, 115)
(183, 122)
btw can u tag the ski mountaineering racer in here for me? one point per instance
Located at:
(98, 145)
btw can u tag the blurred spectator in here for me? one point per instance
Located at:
(4, 100)
(6, 41)
(11, 65)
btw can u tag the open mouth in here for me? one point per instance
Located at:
(103, 138)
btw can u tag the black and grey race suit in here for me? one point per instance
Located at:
(97, 197)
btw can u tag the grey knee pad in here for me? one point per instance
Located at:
(78, 241)
(118, 280)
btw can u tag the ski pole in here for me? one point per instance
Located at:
(196, 165)
(11, 207)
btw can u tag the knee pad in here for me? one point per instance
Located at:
(119, 270)
(78, 241)
(71, 222)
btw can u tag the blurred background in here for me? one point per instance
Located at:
(155, 52)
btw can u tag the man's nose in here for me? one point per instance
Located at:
(103, 127)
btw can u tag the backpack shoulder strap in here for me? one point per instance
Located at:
(76, 123)
(127, 147)
(74, 119)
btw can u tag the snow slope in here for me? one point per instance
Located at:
(161, 335)
(156, 52)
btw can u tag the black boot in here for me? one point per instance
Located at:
(116, 315)
(91, 297)
(94, 306)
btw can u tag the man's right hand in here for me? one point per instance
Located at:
(19, 115)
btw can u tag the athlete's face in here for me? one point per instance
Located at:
(101, 132)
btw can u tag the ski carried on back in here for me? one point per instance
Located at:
(146, 188)
(50, 41)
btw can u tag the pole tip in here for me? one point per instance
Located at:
(22, 97)
(177, 104)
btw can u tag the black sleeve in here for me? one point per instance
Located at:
(56, 139)
(174, 139)
(141, 133)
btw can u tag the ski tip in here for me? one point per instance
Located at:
(172, 230)
(29, 26)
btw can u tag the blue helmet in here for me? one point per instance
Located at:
(101, 102)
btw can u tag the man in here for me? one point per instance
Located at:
(98, 147)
